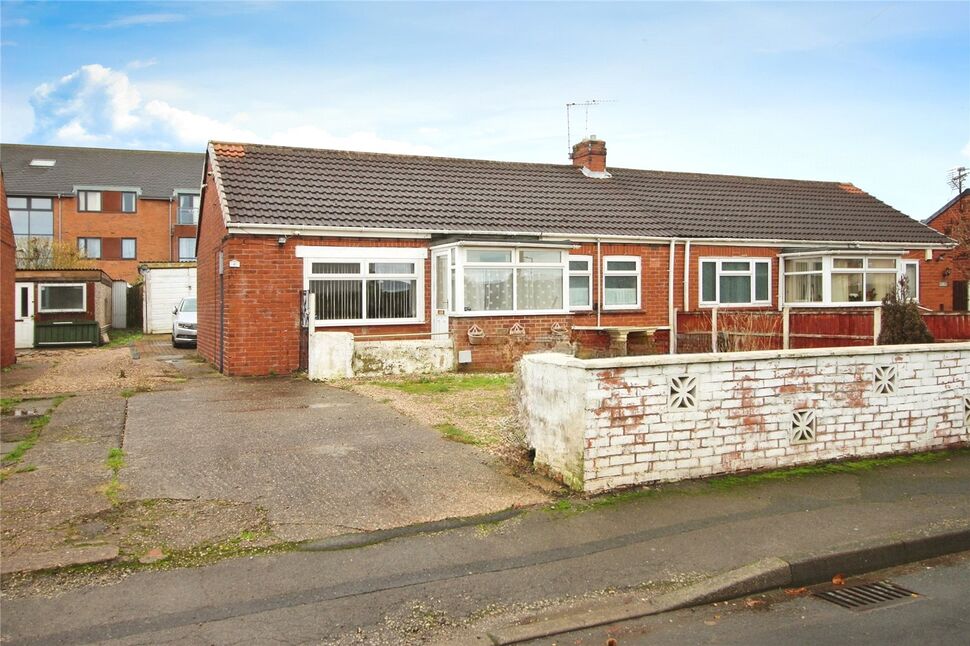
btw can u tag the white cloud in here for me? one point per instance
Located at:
(137, 20)
(96, 104)
(139, 63)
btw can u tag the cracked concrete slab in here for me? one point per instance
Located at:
(321, 461)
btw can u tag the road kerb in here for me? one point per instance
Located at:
(767, 574)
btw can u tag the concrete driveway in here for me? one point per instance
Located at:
(317, 460)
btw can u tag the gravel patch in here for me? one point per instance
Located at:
(87, 370)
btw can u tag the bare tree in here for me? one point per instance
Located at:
(37, 253)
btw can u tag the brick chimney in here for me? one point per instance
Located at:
(591, 154)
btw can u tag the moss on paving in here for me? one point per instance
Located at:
(125, 337)
(574, 505)
(455, 434)
(8, 404)
(37, 425)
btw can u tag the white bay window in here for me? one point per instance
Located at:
(511, 280)
(842, 279)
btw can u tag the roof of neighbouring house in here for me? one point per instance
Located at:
(945, 207)
(157, 173)
(275, 185)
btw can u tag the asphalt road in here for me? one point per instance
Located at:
(452, 586)
(940, 615)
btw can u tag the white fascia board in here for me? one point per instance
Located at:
(186, 191)
(396, 253)
(840, 244)
(498, 243)
(895, 253)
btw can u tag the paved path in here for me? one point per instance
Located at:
(450, 586)
(320, 461)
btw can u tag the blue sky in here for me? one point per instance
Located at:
(876, 93)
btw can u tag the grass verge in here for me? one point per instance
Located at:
(447, 383)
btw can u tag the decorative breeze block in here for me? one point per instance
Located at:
(884, 380)
(966, 411)
(802, 426)
(683, 393)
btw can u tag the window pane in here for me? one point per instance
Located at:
(188, 208)
(17, 202)
(441, 282)
(803, 264)
(40, 204)
(579, 291)
(805, 288)
(488, 255)
(337, 299)
(488, 289)
(735, 266)
(392, 268)
(186, 249)
(735, 289)
(621, 265)
(128, 202)
(540, 289)
(879, 285)
(578, 265)
(128, 248)
(20, 222)
(847, 263)
(708, 284)
(621, 290)
(94, 247)
(41, 223)
(912, 280)
(391, 299)
(847, 288)
(335, 268)
(91, 200)
(761, 281)
(540, 255)
(62, 297)
(882, 263)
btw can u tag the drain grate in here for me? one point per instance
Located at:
(867, 596)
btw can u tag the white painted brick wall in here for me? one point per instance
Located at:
(629, 435)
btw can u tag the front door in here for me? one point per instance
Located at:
(24, 311)
(440, 294)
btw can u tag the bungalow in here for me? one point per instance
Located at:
(504, 258)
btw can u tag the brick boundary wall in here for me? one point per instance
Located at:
(605, 424)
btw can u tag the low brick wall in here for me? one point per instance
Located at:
(603, 424)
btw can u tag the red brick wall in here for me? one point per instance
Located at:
(936, 289)
(8, 272)
(149, 225)
(212, 231)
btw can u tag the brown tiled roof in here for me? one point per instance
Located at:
(310, 187)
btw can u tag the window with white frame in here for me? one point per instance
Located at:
(366, 290)
(911, 274)
(129, 248)
(498, 279)
(621, 282)
(735, 281)
(63, 297)
(90, 247)
(839, 279)
(580, 282)
(129, 201)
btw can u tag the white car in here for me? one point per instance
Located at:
(184, 323)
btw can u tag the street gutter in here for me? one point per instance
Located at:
(766, 574)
